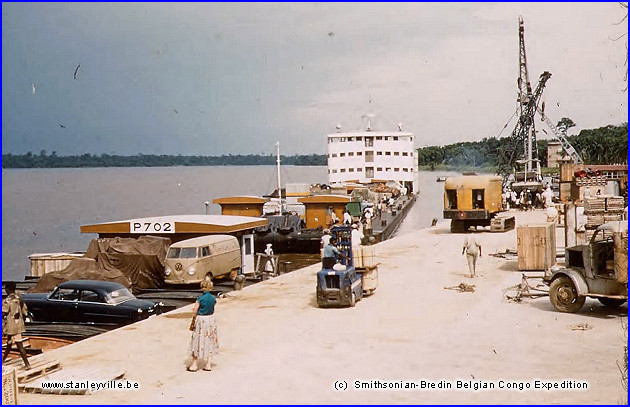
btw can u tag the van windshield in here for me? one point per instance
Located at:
(182, 253)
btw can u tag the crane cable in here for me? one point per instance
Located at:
(508, 122)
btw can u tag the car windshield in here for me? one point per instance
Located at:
(119, 296)
(182, 253)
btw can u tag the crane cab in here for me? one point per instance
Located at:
(472, 200)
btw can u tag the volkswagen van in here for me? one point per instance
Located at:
(192, 260)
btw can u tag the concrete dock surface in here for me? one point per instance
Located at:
(278, 347)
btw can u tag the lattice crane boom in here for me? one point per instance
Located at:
(566, 145)
(521, 147)
(524, 134)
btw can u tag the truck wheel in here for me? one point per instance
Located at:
(564, 296)
(353, 299)
(611, 302)
(457, 226)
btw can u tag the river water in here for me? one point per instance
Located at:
(43, 209)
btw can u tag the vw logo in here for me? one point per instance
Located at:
(178, 266)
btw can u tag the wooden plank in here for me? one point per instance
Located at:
(83, 377)
(37, 371)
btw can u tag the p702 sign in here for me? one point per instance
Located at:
(152, 227)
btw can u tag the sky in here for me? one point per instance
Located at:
(234, 78)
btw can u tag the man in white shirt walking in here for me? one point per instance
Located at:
(472, 248)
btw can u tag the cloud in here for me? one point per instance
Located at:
(242, 76)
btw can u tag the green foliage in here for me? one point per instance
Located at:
(29, 160)
(605, 145)
(565, 124)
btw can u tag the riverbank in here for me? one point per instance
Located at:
(278, 347)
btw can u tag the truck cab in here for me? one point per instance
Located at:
(597, 269)
(342, 284)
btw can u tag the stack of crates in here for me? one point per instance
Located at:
(601, 209)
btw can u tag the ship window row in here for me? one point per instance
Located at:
(395, 169)
(369, 141)
(360, 153)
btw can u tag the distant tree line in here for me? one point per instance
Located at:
(44, 160)
(605, 145)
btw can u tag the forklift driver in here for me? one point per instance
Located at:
(330, 253)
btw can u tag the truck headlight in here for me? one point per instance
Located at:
(191, 271)
(167, 271)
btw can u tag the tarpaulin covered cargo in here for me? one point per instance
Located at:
(140, 260)
(134, 263)
(79, 269)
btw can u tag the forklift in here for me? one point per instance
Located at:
(345, 284)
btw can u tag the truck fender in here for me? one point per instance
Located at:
(578, 280)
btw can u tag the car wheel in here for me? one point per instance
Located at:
(353, 299)
(564, 296)
(611, 302)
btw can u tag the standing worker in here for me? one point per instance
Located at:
(270, 265)
(367, 214)
(333, 216)
(347, 219)
(324, 241)
(356, 236)
(472, 248)
(548, 196)
(13, 312)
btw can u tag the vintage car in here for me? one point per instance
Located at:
(89, 301)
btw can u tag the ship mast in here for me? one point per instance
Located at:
(279, 179)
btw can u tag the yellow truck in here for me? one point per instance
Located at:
(474, 200)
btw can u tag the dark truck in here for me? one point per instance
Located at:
(598, 269)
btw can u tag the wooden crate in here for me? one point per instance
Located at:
(536, 246)
(9, 385)
(502, 224)
(42, 263)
